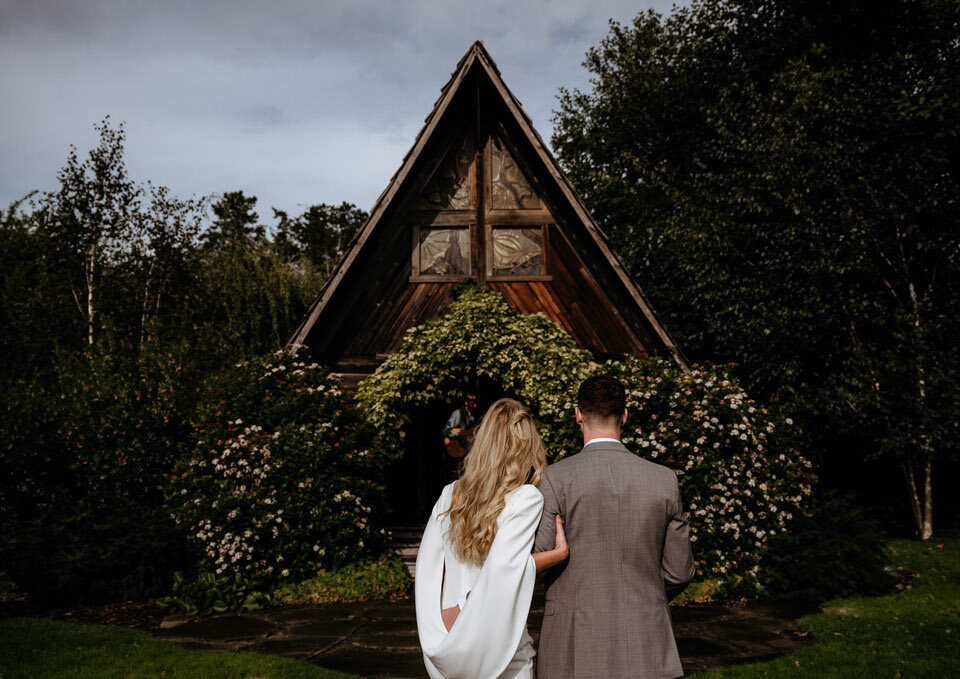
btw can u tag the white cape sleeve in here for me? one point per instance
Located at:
(487, 633)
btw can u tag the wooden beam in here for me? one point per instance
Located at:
(518, 217)
(483, 195)
(446, 218)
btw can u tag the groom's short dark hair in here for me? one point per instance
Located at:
(601, 396)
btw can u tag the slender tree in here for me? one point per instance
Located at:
(91, 216)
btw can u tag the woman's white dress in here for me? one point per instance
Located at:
(489, 639)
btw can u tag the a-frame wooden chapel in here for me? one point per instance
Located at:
(478, 196)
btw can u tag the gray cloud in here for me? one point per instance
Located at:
(296, 102)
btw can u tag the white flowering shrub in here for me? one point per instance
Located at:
(741, 476)
(281, 482)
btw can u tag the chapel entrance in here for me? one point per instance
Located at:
(415, 481)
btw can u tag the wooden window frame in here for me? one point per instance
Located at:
(517, 217)
(545, 239)
(481, 220)
(416, 276)
(499, 132)
(471, 178)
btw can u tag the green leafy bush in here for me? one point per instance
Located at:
(118, 551)
(383, 578)
(833, 550)
(481, 337)
(84, 451)
(282, 479)
(208, 593)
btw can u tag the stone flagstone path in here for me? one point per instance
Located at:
(378, 639)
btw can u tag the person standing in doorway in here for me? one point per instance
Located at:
(457, 433)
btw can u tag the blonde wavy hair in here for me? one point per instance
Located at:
(506, 453)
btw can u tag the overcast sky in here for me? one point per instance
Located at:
(293, 101)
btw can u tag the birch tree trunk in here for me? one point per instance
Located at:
(922, 506)
(91, 297)
(926, 531)
(146, 302)
(925, 520)
(914, 495)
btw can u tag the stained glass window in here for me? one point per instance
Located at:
(444, 252)
(517, 252)
(509, 186)
(451, 187)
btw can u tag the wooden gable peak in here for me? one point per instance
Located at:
(477, 55)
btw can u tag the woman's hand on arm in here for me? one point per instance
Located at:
(558, 554)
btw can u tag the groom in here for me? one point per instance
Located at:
(606, 612)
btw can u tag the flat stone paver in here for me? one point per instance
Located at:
(223, 628)
(378, 639)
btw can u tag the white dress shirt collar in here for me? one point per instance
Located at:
(600, 440)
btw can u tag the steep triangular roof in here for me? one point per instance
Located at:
(478, 57)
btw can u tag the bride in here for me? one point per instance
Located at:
(475, 573)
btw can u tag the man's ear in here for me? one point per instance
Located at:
(577, 414)
(623, 420)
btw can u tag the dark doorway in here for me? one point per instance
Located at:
(415, 481)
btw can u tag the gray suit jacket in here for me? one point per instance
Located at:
(606, 612)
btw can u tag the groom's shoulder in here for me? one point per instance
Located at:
(562, 466)
(628, 461)
(658, 471)
(567, 467)
(652, 469)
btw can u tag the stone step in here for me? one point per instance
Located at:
(405, 541)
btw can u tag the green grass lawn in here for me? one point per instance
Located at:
(913, 633)
(38, 649)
